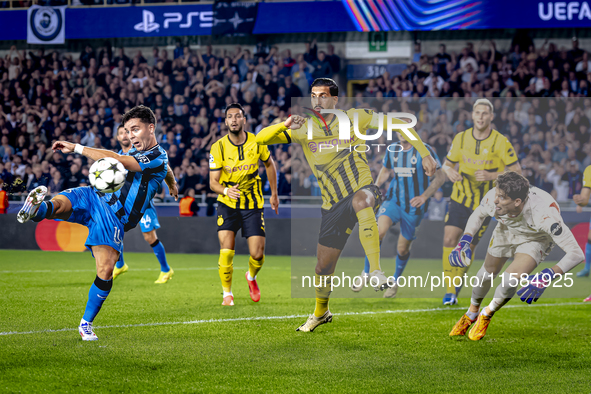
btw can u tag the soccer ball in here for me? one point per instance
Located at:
(107, 175)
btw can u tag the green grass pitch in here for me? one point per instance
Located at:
(178, 338)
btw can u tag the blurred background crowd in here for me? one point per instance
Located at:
(541, 98)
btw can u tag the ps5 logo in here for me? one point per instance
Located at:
(149, 25)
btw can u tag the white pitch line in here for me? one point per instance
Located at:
(239, 319)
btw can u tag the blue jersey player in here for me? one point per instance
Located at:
(107, 216)
(405, 202)
(149, 224)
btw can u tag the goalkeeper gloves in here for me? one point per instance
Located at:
(461, 256)
(537, 284)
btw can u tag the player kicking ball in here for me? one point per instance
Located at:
(149, 224)
(234, 175)
(407, 200)
(529, 224)
(107, 215)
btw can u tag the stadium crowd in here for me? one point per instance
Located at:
(538, 97)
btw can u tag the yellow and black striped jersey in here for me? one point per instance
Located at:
(587, 177)
(493, 154)
(340, 168)
(239, 165)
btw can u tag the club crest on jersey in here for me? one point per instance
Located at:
(143, 159)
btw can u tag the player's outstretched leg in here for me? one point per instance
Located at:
(120, 267)
(34, 207)
(166, 272)
(327, 261)
(105, 257)
(363, 204)
(585, 271)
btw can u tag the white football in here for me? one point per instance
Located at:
(107, 175)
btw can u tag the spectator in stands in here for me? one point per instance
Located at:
(188, 205)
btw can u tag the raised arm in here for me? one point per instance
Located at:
(279, 133)
(129, 162)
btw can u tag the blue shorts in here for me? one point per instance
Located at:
(149, 221)
(88, 209)
(408, 222)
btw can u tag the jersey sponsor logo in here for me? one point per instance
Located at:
(405, 171)
(244, 167)
(479, 162)
(556, 229)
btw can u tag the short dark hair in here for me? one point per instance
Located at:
(141, 112)
(120, 127)
(513, 185)
(234, 105)
(334, 88)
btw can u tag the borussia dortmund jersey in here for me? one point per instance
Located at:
(340, 166)
(239, 165)
(493, 154)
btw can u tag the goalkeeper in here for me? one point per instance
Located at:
(529, 224)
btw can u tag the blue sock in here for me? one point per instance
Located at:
(588, 256)
(401, 264)
(161, 255)
(98, 293)
(366, 268)
(45, 210)
(120, 263)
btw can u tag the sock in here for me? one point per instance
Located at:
(228, 293)
(120, 263)
(226, 268)
(588, 256)
(370, 237)
(401, 264)
(45, 210)
(322, 285)
(472, 315)
(366, 267)
(486, 314)
(97, 294)
(460, 271)
(254, 266)
(503, 293)
(160, 255)
(448, 270)
(485, 280)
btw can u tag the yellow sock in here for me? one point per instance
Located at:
(448, 270)
(226, 268)
(254, 266)
(370, 237)
(322, 286)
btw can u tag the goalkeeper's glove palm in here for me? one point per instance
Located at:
(461, 256)
(537, 284)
